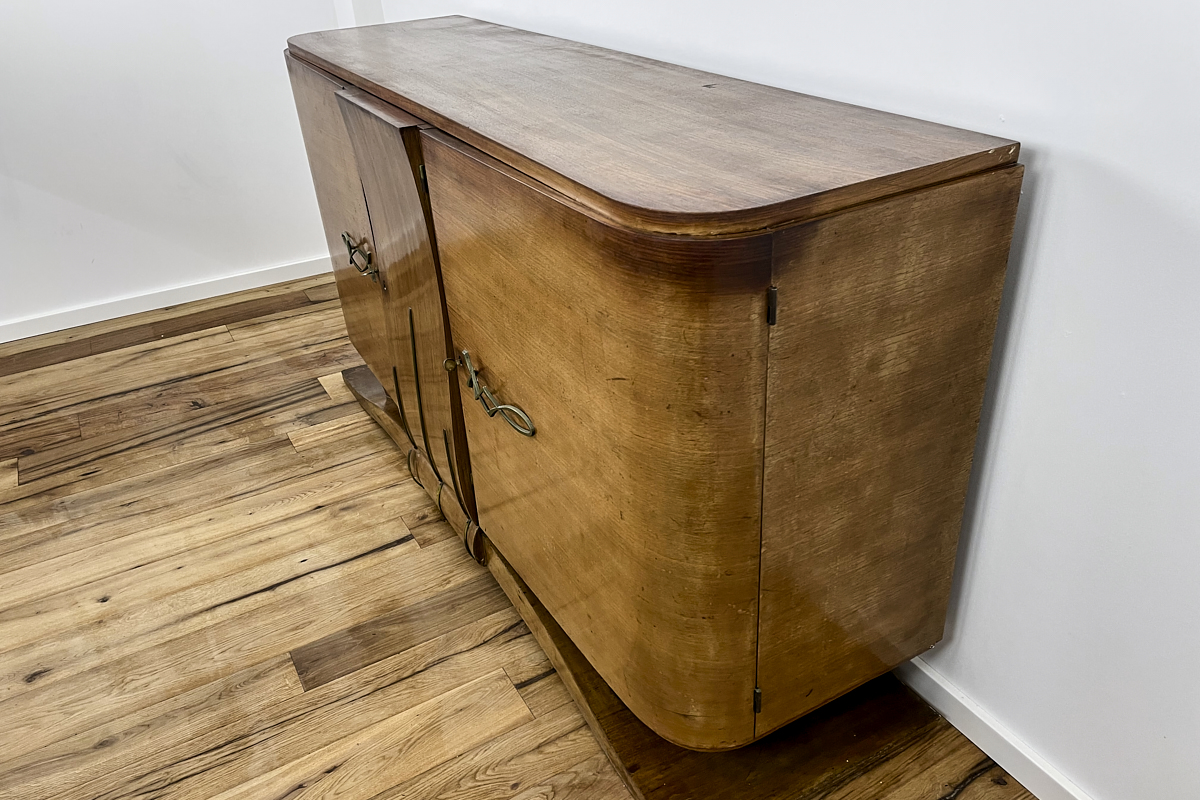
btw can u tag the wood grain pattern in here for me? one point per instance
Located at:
(878, 362)
(147, 604)
(343, 210)
(522, 759)
(641, 361)
(387, 150)
(102, 337)
(396, 748)
(354, 648)
(26, 437)
(642, 143)
(182, 685)
(447, 501)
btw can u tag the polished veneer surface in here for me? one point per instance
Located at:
(739, 336)
(226, 584)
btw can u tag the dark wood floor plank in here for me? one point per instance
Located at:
(71, 386)
(149, 332)
(941, 764)
(344, 652)
(213, 429)
(247, 327)
(224, 382)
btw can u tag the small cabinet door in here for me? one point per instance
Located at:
(387, 151)
(344, 215)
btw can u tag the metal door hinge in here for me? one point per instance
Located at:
(772, 305)
(757, 700)
(424, 179)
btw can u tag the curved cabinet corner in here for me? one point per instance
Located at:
(633, 512)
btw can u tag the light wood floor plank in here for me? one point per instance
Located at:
(122, 746)
(223, 581)
(591, 779)
(143, 547)
(545, 694)
(281, 734)
(332, 431)
(55, 711)
(8, 475)
(33, 436)
(59, 346)
(66, 521)
(336, 387)
(320, 294)
(359, 766)
(508, 764)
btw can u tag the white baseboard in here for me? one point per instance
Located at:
(111, 309)
(991, 736)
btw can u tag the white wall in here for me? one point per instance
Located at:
(1076, 619)
(148, 145)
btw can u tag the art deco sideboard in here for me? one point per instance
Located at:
(701, 360)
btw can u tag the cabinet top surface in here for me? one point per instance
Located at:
(643, 143)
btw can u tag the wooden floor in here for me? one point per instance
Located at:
(218, 580)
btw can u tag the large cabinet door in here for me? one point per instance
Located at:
(633, 511)
(387, 151)
(343, 211)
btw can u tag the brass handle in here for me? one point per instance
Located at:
(360, 259)
(514, 416)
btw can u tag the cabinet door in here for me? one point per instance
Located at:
(387, 152)
(633, 511)
(886, 315)
(343, 211)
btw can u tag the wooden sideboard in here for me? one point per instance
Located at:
(701, 360)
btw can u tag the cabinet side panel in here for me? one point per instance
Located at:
(343, 209)
(886, 316)
(633, 513)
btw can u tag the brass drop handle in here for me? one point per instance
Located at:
(360, 259)
(514, 416)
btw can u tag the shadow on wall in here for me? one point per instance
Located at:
(1024, 232)
(1093, 391)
